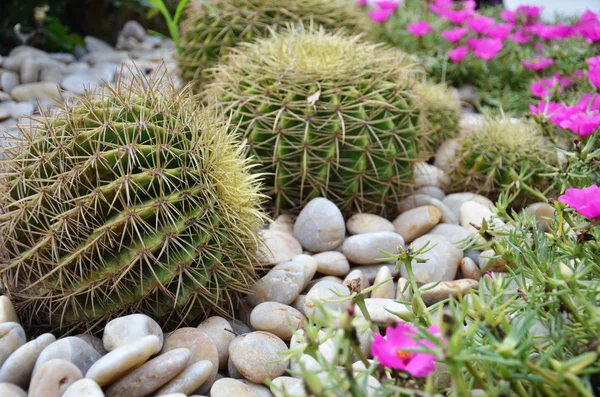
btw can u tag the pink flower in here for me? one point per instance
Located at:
(419, 28)
(594, 75)
(545, 108)
(380, 16)
(588, 103)
(388, 4)
(457, 54)
(391, 350)
(508, 16)
(587, 17)
(456, 16)
(499, 31)
(454, 35)
(440, 5)
(577, 74)
(581, 123)
(591, 32)
(480, 24)
(485, 48)
(586, 201)
(529, 12)
(520, 36)
(545, 87)
(594, 62)
(538, 63)
(361, 3)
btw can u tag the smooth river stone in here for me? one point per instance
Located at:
(189, 380)
(283, 223)
(455, 201)
(368, 223)
(453, 233)
(282, 284)
(151, 376)
(259, 390)
(124, 330)
(382, 310)
(10, 390)
(280, 320)
(284, 384)
(7, 311)
(469, 269)
(53, 378)
(419, 200)
(35, 91)
(441, 260)
(228, 387)
(386, 288)
(71, 349)
(257, 356)
(431, 191)
(489, 261)
(278, 247)
(93, 341)
(366, 249)
(356, 281)
(309, 266)
(428, 175)
(416, 222)
(221, 333)
(84, 388)
(446, 289)
(327, 294)
(320, 226)
(332, 263)
(200, 345)
(543, 213)
(19, 366)
(12, 337)
(119, 361)
(473, 213)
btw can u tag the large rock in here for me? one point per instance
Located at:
(127, 329)
(441, 260)
(366, 248)
(320, 226)
(257, 356)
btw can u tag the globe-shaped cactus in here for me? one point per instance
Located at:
(325, 115)
(129, 199)
(209, 33)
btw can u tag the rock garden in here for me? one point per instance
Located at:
(283, 198)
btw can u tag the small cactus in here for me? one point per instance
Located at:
(130, 199)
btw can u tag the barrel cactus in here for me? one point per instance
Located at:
(496, 153)
(325, 115)
(209, 34)
(129, 199)
(439, 113)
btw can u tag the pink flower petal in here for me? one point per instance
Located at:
(380, 16)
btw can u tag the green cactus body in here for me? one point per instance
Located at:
(325, 115)
(499, 152)
(209, 34)
(131, 199)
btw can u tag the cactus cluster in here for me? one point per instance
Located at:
(496, 153)
(129, 199)
(209, 34)
(325, 114)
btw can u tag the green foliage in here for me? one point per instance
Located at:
(130, 199)
(499, 154)
(59, 37)
(210, 33)
(325, 115)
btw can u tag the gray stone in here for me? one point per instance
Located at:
(489, 261)
(53, 378)
(227, 387)
(35, 91)
(416, 222)
(320, 226)
(127, 329)
(283, 385)
(96, 45)
(473, 213)
(257, 356)
(469, 269)
(453, 233)
(384, 310)
(278, 247)
(432, 293)
(62, 57)
(366, 249)
(93, 341)
(332, 263)
(282, 284)
(385, 289)
(10, 390)
(313, 282)
(455, 200)
(419, 200)
(368, 223)
(370, 271)
(84, 388)
(116, 363)
(283, 223)
(17, 369)
(280, 320)
(221, 333)
(326, 294)
(4, 114)
(12, 337)
(133, 29)
(232, 371)
(71, 349)
(9, 80)
(151, 376)
(17, 109)
(189, 380)
(445, 156)
(356, 281)
(259, 390)
(53, 75)
(239, 327)
(7, 311)
(428, 175)
(431, 191)
(4, 96)
(543, 213)
(441, 260)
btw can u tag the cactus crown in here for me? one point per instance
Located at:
(325, 114)
(129, 199)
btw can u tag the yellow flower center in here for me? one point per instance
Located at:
(403, 355)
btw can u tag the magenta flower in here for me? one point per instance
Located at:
(594, 75)
(542, 88)
(457, 17)
(546, 109)
(485, 48)
(581, 123)
(588, 103)
(520, 36)
(391, 350)
(480, 24)
(586, 201)
(457, 54)
(594, 62)
(530, 12)
(591, 32)
(440, 5)
(380, 16)
(538, 63)
(499, 31)
(419, 28)
(361, 3)
(508, 16)
(388, 4)
(454, 35)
